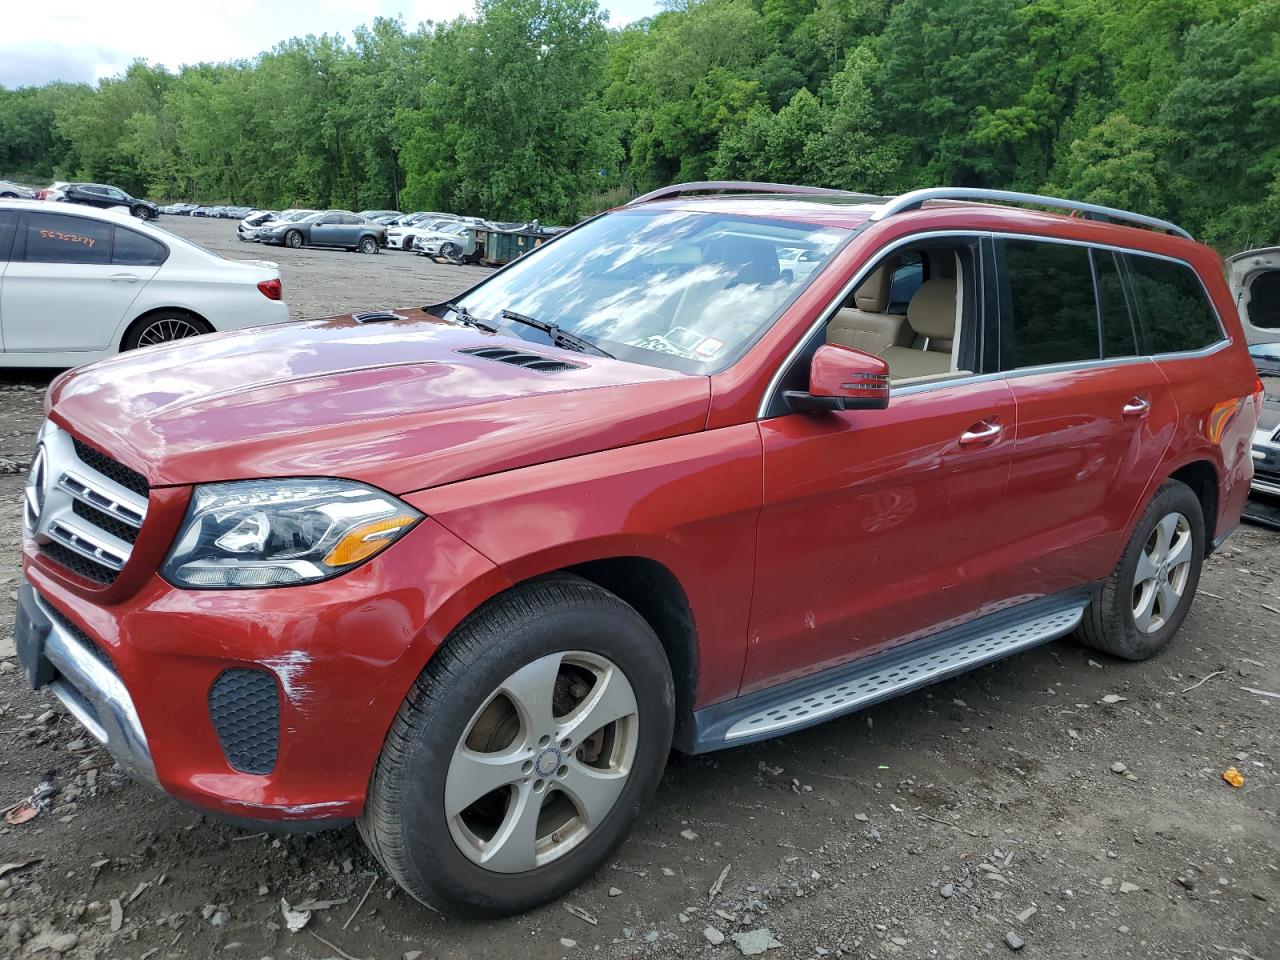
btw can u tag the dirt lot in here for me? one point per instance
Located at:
(951, 823)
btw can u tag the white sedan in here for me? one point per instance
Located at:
(78, 283)
(402, 238)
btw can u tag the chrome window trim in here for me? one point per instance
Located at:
(909, 389)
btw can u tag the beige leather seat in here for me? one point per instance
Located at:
(866, 326)
(931, 318)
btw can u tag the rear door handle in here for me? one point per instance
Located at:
(124, 278)
(1137, 408)
(982, 432)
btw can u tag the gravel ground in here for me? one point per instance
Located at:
(979, 816)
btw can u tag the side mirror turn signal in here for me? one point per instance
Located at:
(842, 378)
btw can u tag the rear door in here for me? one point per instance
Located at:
(62, 292)
(1095, 415)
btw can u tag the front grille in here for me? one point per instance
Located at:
(245, 708)
(111, 469)
(85, 510)
(117, 528)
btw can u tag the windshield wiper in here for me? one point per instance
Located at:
(464, 316)
(561, 338)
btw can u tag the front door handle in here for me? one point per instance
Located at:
(124, 278)
(981, 433)
(1137, 408)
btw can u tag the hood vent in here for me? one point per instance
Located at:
(518, 358)
(375, 316)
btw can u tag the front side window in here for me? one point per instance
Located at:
(8, 227)
(1048, 297)
(1174, 313)
(53, 238)
(132, 249)
(686, 290)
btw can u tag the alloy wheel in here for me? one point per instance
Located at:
(542, 763)
(1164, 567)
(168, 329)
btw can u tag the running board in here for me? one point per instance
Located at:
(810, 700)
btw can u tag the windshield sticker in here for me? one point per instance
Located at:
(708, 347)
(67, 237)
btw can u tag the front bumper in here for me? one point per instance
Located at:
(140, 672)
(55, 654)
(1266, 462)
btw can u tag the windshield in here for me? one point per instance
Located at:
(684, 290)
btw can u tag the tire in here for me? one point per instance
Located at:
(368, 245)
(407, 244)
(450, 251)
(142, 213)
(1146, 598)
(163, 327)
(461, 864)
(293, 239)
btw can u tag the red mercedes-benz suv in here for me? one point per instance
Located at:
(713, 467)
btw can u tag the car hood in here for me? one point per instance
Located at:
(396, 404)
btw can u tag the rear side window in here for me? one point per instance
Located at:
(132, 249)
(1119, 339)
(52, 238)
(1049, 300)
(1174, 313)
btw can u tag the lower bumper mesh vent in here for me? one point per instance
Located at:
(245, 708)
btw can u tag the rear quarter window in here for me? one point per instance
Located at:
(132, 249)
(1174, 312)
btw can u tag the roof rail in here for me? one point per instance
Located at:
(914, 199)
(743, 186)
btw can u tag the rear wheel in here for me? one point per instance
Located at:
(1144, 601)
(368, 245)
(524, 753)
(163, 328)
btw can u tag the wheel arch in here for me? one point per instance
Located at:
(1202, 477)
(658, 596)
(150, 312)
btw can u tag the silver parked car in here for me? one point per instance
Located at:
(15, 191)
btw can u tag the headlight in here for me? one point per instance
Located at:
(273, 533)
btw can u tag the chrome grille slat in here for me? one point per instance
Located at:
(81, 517)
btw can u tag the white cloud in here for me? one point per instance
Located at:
(79, 40)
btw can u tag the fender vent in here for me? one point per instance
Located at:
(245, 709)
(518, 358)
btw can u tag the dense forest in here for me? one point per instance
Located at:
(535, 108)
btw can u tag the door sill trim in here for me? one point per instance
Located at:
(850, 687)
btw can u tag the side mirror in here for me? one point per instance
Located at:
(842, 378)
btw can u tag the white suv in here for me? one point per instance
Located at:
(77, 284)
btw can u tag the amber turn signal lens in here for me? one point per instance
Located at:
(365, 540)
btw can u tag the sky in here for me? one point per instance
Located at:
(86, 40)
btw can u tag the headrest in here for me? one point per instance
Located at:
(932, 311)
(872, 294)
(752, 261)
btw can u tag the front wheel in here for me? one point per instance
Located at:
(524, 753)
(368, 245)
(1144, 601)
(142, 213)
(450, 251)
(293, 239)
